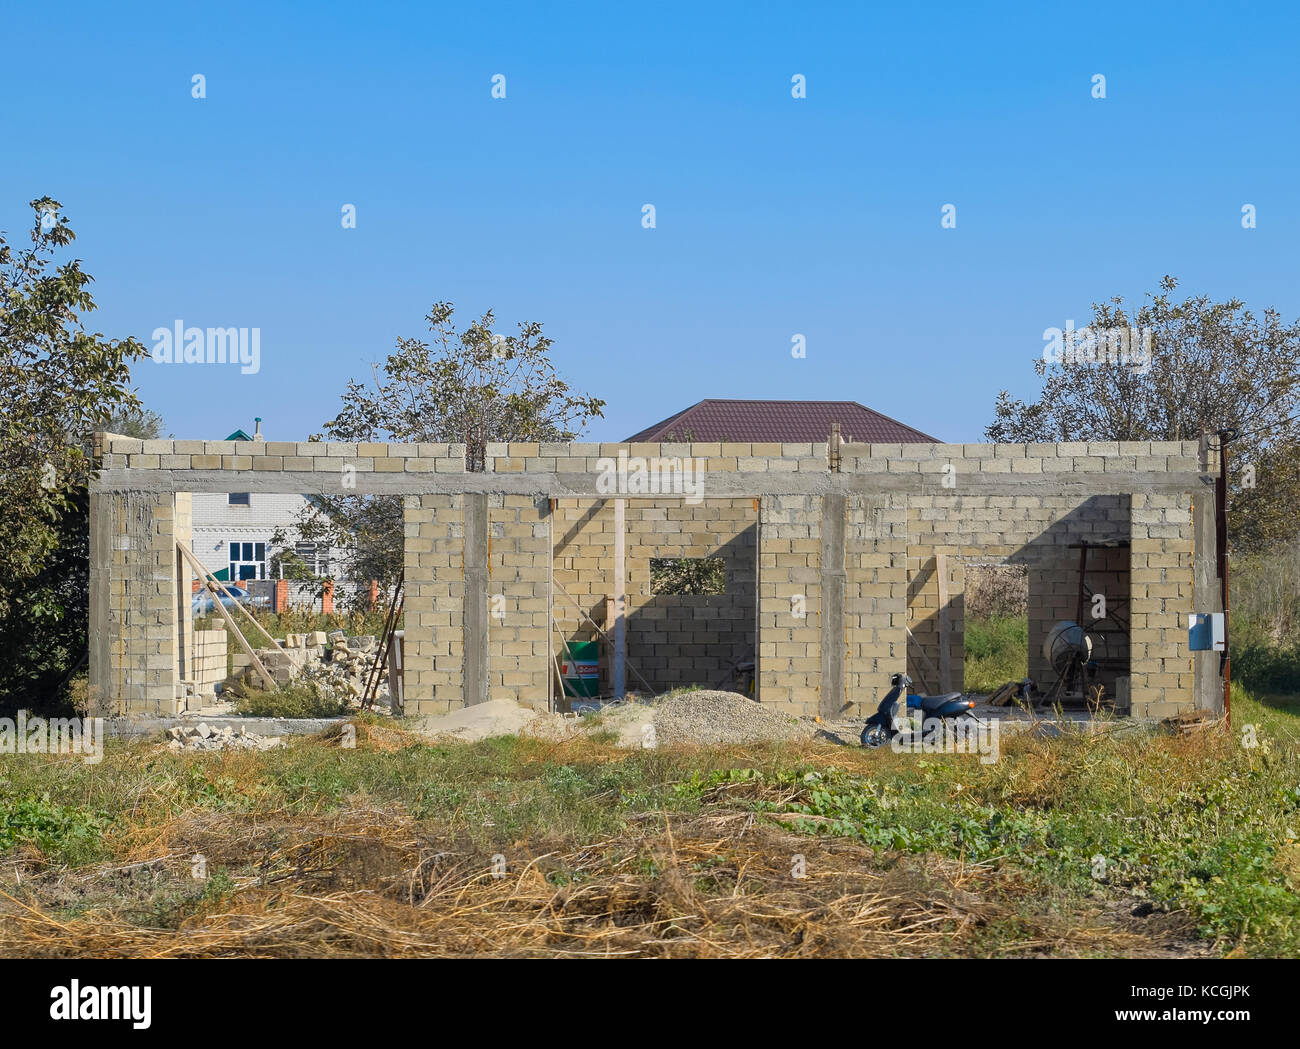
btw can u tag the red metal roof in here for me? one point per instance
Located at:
(792, 421)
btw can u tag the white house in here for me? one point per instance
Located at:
(232, 532)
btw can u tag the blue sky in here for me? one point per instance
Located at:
(775, 216)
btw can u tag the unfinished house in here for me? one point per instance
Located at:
(841, 563)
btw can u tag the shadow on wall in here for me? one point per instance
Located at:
(673, 640)
(1046, 536)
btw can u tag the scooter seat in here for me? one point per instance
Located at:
(930, 704)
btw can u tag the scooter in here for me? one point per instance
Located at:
(880, 729)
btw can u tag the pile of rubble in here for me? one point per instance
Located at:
(350, 661)
(338, 664)
(203, 737)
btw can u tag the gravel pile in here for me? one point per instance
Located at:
(708, 716)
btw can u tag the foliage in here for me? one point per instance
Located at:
(996, 590)
(460, 387)
(1262, 664)
(61, 383)
(688, 575)
(1205, 825)
(64, 833)
(1214, 365)
(58, 380)
(299, 699)
(307, 620)
(1198, 825)
(1266, 591)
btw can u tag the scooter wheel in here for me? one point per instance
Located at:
(874, 736)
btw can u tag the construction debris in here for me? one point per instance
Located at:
(337, 663)
(1192, 721)
(203, 737)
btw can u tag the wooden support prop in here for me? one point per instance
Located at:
(374, 673)
(208, 579)
(605, 636)
(945, 628)
(230, 622)
(921, 652)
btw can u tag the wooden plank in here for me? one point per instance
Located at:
(945, 626)
(926, 659)
(211, 579)
(230, 622)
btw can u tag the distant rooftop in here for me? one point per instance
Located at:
(790, 421)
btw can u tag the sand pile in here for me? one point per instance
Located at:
(700, 717)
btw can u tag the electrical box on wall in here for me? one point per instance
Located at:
(1205, 631)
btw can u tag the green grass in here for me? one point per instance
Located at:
(1204, 824)
(68, 834)
(996, 651)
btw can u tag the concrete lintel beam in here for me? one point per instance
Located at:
(716, 485)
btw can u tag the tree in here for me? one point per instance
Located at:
(59, 382)
(49, 616)
(466, 387)
(688, 575)
(1212, 366)
(58, 379)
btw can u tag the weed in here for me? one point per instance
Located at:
(299, 699)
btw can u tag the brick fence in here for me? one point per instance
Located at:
(829, 565)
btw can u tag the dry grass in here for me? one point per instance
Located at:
(387, 850)
(366, 883)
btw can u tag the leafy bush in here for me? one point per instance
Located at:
(1266, 668)
(63, 833)
(996, 591)
(300, 699)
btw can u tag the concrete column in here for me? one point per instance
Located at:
(185, 657)
(618, 657)
(137, 608)
(434, 604)
(477, 610)
(833, 644)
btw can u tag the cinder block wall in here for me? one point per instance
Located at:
(1040, 532)
(1162, 667)
(472, 537)
(789, 603)
(875, 600)
(519, 584)
(208, 666)
(672, 639)
(434, 603)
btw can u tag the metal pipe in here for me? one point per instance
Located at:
(1221, 535)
